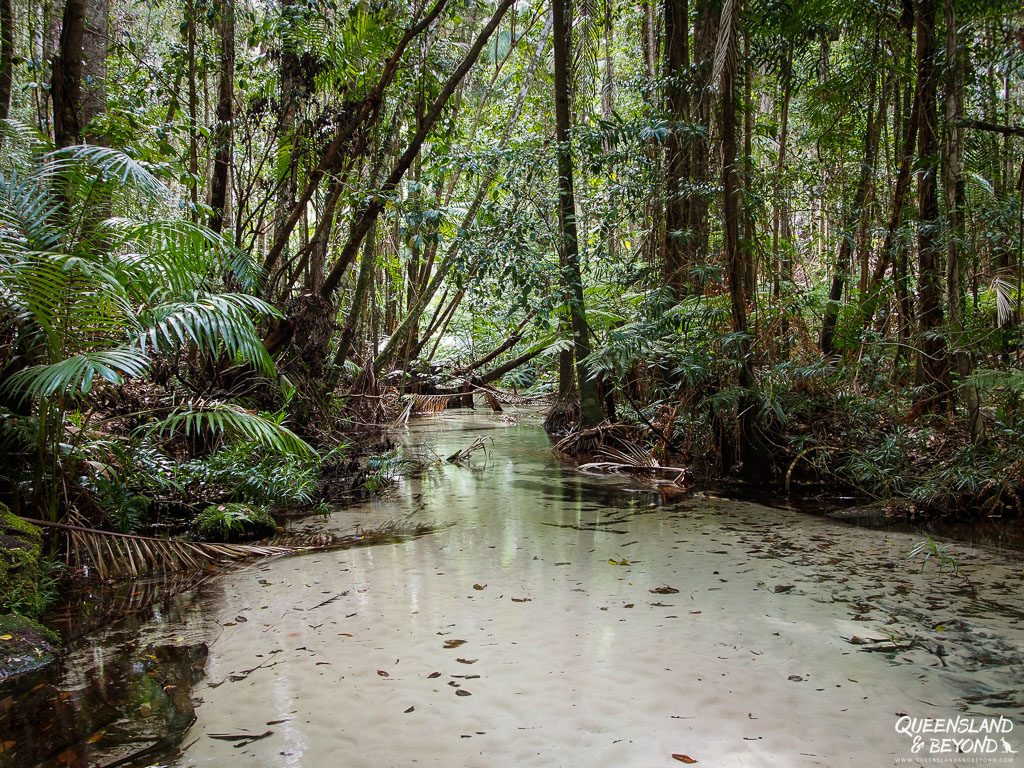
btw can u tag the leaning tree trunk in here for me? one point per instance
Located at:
(569, 258)
(281, 334)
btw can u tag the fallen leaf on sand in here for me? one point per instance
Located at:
(478, 587)
(453, 643)
(410, 709)
(463, 692)
(520, 599)
(382, 673)
(467, 661)
(666, 590)
(432, 675)
(684, 759)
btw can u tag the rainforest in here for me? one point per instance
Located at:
(662, 357)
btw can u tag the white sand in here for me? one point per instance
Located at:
(588, 670)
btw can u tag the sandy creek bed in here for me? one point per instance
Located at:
(761, 658)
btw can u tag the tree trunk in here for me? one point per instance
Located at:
(953, 191)
(705, 34)
(6, 56)
(853, 220)
(590, 403)
(281, 334)
(223, 133)
(933, 365)
(675, 270)
(66, 88)
(367, 110)
(731, 202)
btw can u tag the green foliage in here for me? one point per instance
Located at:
(232, 522)
(255, 476)
(89, 300)
(383, 469)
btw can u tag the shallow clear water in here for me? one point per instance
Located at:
(602, 622)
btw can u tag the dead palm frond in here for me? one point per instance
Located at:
(459, 457)
(114, 555)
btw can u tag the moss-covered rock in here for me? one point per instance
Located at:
(21, 567)
(233, 522)
(25, 646)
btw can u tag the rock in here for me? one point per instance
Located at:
(21, 569)
(232, 522)
(25, 646)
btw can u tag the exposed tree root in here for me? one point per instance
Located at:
(588, 442)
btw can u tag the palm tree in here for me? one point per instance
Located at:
(86, 300)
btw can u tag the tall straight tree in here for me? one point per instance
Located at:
(223, 134)
(932, 363)
(569, 255)
(78, 87)
(677, 160)
(6, 56)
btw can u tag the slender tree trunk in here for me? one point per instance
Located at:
(223, 133)
(731, 201)
(6, 56)
(675, 270)
(853, 219)
(367, 266)
(933, 366)
(590, 403)
(281, 334)
(747, 242)
(368, 111)
(953, 191)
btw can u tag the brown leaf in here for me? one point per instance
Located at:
(432, 675)
(520, 599)
(666, 590)
(453, 643)
(684, 759)
(410, 709)
(478, 587)
(467, 661)
(463, 692)
(382, 673)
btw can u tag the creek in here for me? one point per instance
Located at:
(555, 618)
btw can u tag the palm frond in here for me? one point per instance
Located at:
(215, 322)
(114, 555)
(78, 372)
(72, 164)
(230, 420)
